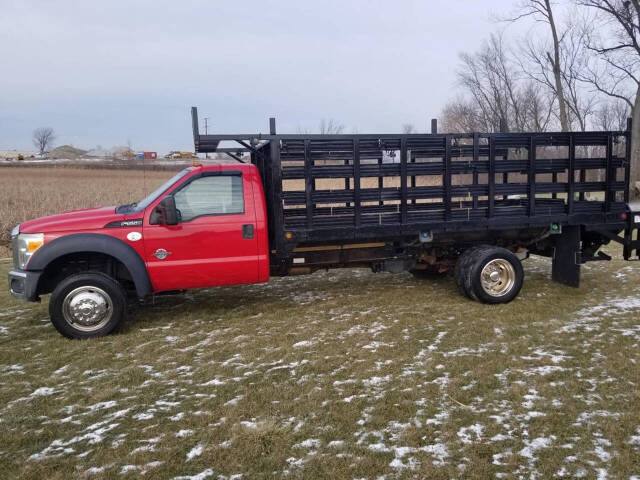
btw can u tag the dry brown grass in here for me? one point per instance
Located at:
(27, 193)
(338, 375)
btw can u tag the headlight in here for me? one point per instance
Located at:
(24, 246)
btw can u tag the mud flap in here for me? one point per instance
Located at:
(565, 267)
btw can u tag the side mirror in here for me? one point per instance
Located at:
(165, 212)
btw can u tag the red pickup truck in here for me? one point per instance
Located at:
(475, 204)
(206, 226)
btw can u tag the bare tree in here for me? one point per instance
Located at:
(537, 107)
(487, 76)
(462, 116)
(616, 44)
(617, 74)
(541, 10)
(612, 115)
(408, 128)
(43, 139)
(496, 96)
(330, 127)
(576, 104)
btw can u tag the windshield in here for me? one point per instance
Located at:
(148, 200)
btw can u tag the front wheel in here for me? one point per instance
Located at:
(87, 305)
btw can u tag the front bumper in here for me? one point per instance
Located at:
(24, 284)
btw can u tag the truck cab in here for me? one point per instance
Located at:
(204, 227)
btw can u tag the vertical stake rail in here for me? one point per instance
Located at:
(347, 184)
(380, 181)
(532, 176)
(403, 181)
(196, 128)
(411, 159)
(492, 176)
(356, 183)
(476, 158)
(628, 232)
(609, 173)
(572, 175)
(447, 178)
(308, 186)
(627, 161)
(276, 187)
(505, 175)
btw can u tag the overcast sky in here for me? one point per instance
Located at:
(108, 72)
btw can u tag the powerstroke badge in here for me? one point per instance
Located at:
(136, 222)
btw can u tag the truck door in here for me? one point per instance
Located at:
(214, 242)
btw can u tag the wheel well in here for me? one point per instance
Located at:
(78, 262)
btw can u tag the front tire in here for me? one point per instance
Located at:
(87, 305)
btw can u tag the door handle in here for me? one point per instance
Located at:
(247, 231)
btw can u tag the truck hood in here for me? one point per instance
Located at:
(87, 219)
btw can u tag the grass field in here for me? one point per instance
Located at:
(343, 374)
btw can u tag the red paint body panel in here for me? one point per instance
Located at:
(207, 251)
(76, 220)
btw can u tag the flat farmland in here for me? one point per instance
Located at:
(340, 374)
(30, 192)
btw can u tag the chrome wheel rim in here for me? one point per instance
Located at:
(498, 277)
(87, 308)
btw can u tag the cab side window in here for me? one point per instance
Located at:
(213, 195)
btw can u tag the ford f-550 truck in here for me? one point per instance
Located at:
(475, 204)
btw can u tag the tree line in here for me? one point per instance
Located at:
(577, 69)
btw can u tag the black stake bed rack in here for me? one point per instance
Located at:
(392, 187)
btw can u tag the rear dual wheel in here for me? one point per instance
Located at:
(489, 274)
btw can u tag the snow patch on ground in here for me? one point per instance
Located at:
(42, 392)
(531, 447)
(309, 443)
(465, 433)
(195, 451)
(199, 476)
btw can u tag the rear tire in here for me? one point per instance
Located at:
(492, 275)
(463, 264)
(88, 305)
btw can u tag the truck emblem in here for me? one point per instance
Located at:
(161, 254)
(134, 236)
